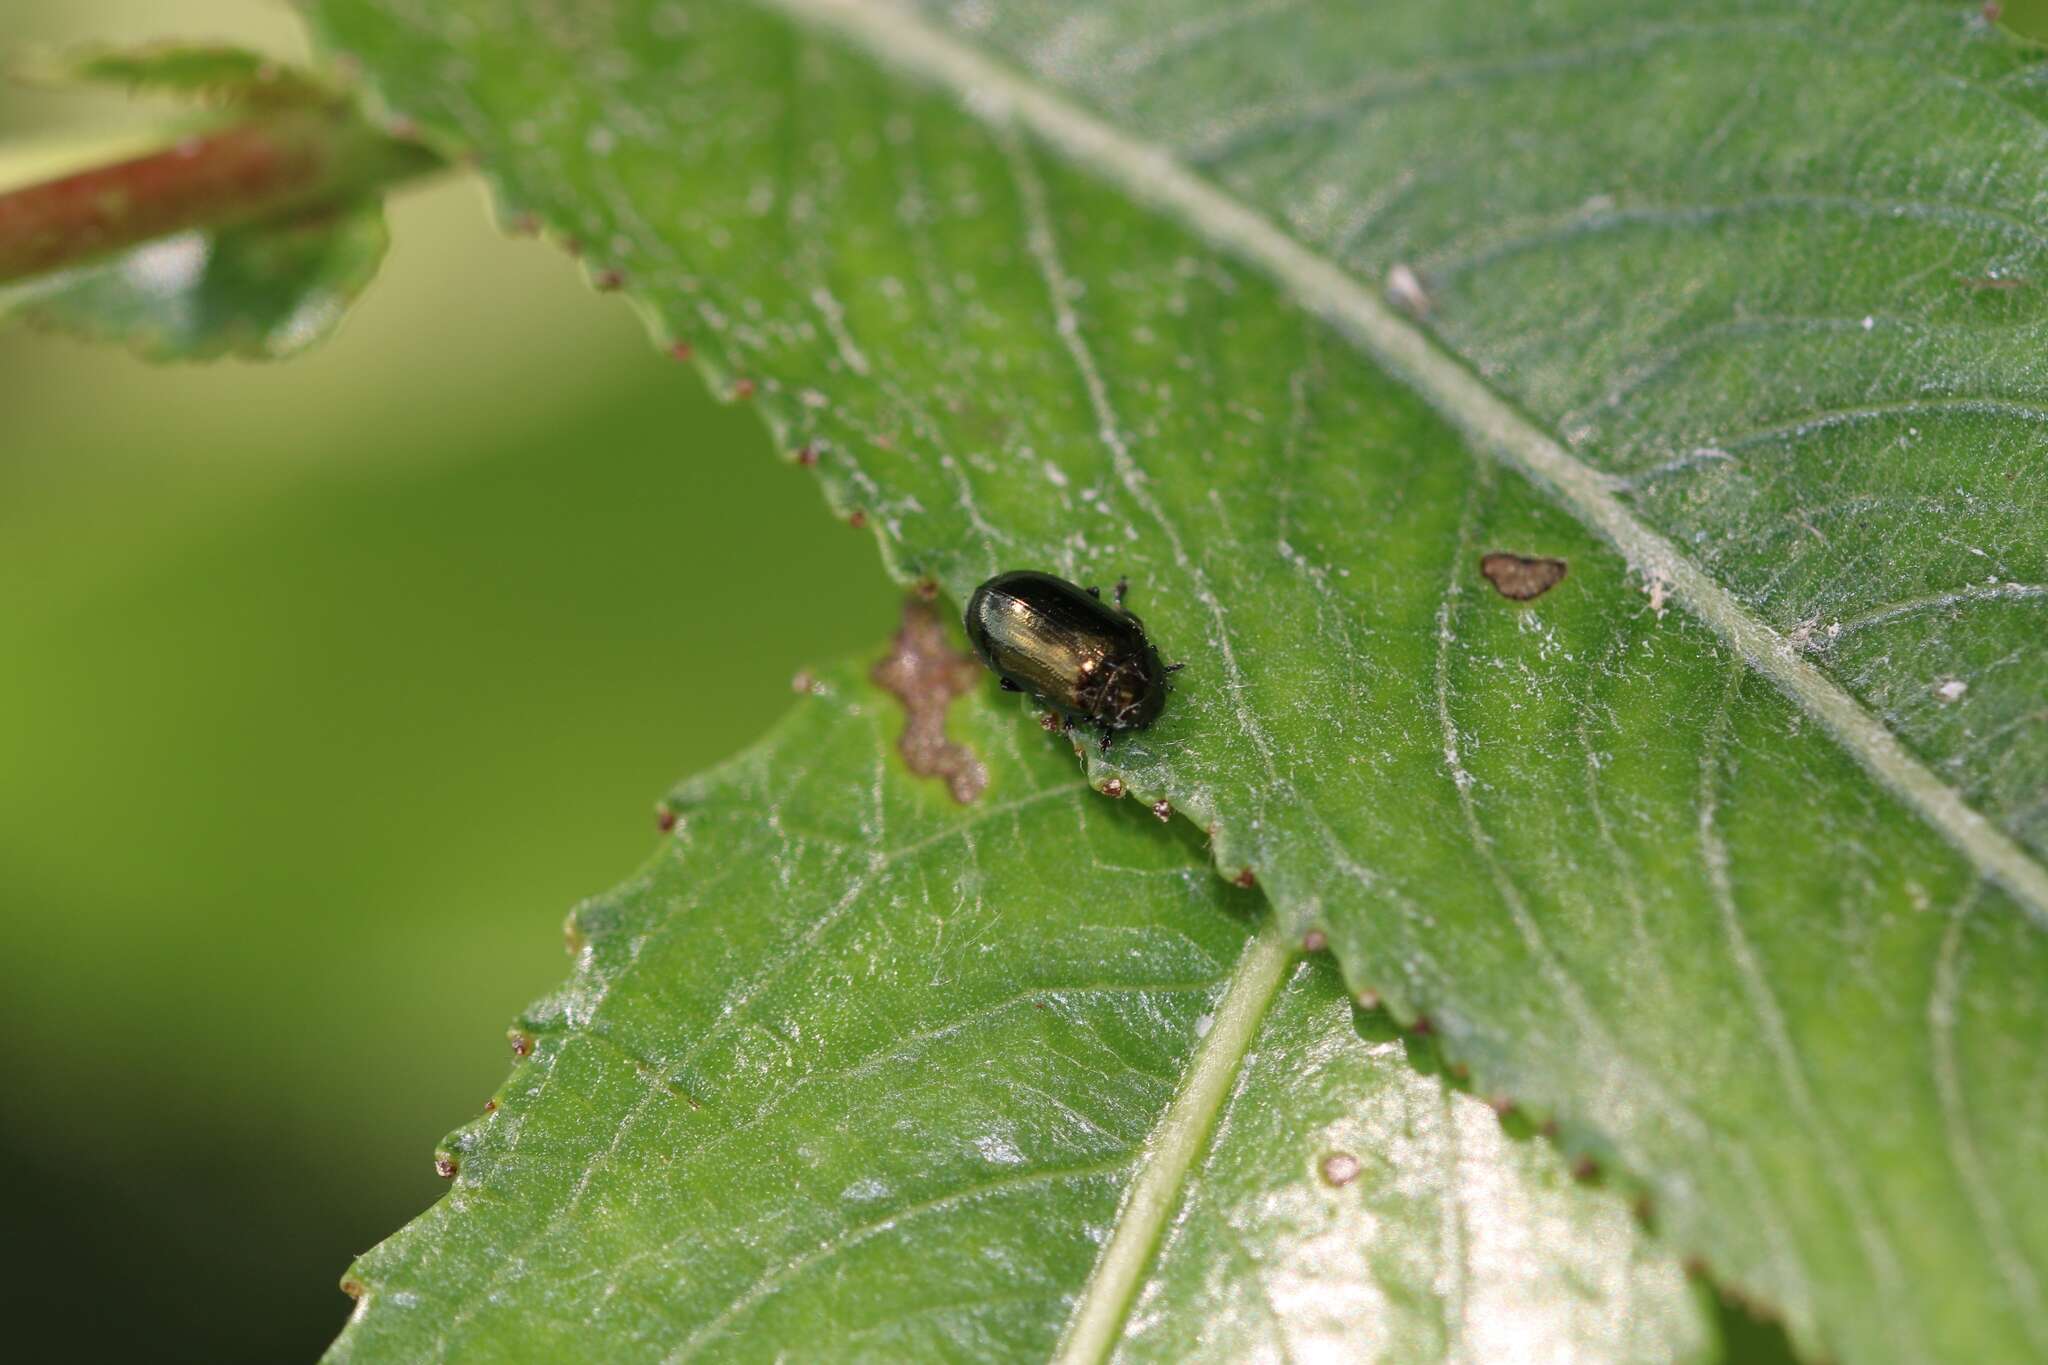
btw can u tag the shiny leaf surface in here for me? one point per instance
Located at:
(853, 1071)
(1725, 847)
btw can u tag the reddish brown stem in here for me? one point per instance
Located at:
(277, 164)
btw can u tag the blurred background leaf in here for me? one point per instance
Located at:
(211, 73)
(247, 232)
(262, 291)
(410, 612)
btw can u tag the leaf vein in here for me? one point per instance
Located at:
(1152, 176)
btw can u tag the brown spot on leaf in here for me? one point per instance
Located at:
(924, 672)
(608, 280)
(445, 1167)
(1050, 723)
(1501, 1105)
(1162, 810)
(927, 589)
(1314, 941)
(355, 1289)
(1421, 1027)
(1113, 788)
(522, 1043)
(807, 455)
(664, 818)
(742, 388)
(857, 519)
(1246, 879)
(490, 1106)
(680, 350)
(1521, 578)
(1341, 1168)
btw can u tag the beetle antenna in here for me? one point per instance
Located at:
(1123, 585)
(1175, 668)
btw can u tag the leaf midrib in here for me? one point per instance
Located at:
(1170, 1151)
(1490, 423)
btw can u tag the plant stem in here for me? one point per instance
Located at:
(272, 165)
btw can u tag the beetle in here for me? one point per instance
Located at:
(1086, 659)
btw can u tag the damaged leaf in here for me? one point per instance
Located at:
(1521, 578)
(852, 1071)
(1291, 312)
(924, 672)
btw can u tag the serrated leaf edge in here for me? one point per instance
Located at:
(994, 93)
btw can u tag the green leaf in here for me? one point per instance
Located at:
(211, 72)
(260, 292)
(1726, 849)
(250, 235)
(852, 1070)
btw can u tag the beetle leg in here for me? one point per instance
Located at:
(1175, 668)
(1007, 685)
(1095, 593)
(1123, 585)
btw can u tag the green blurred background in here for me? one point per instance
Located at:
(325, 689)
